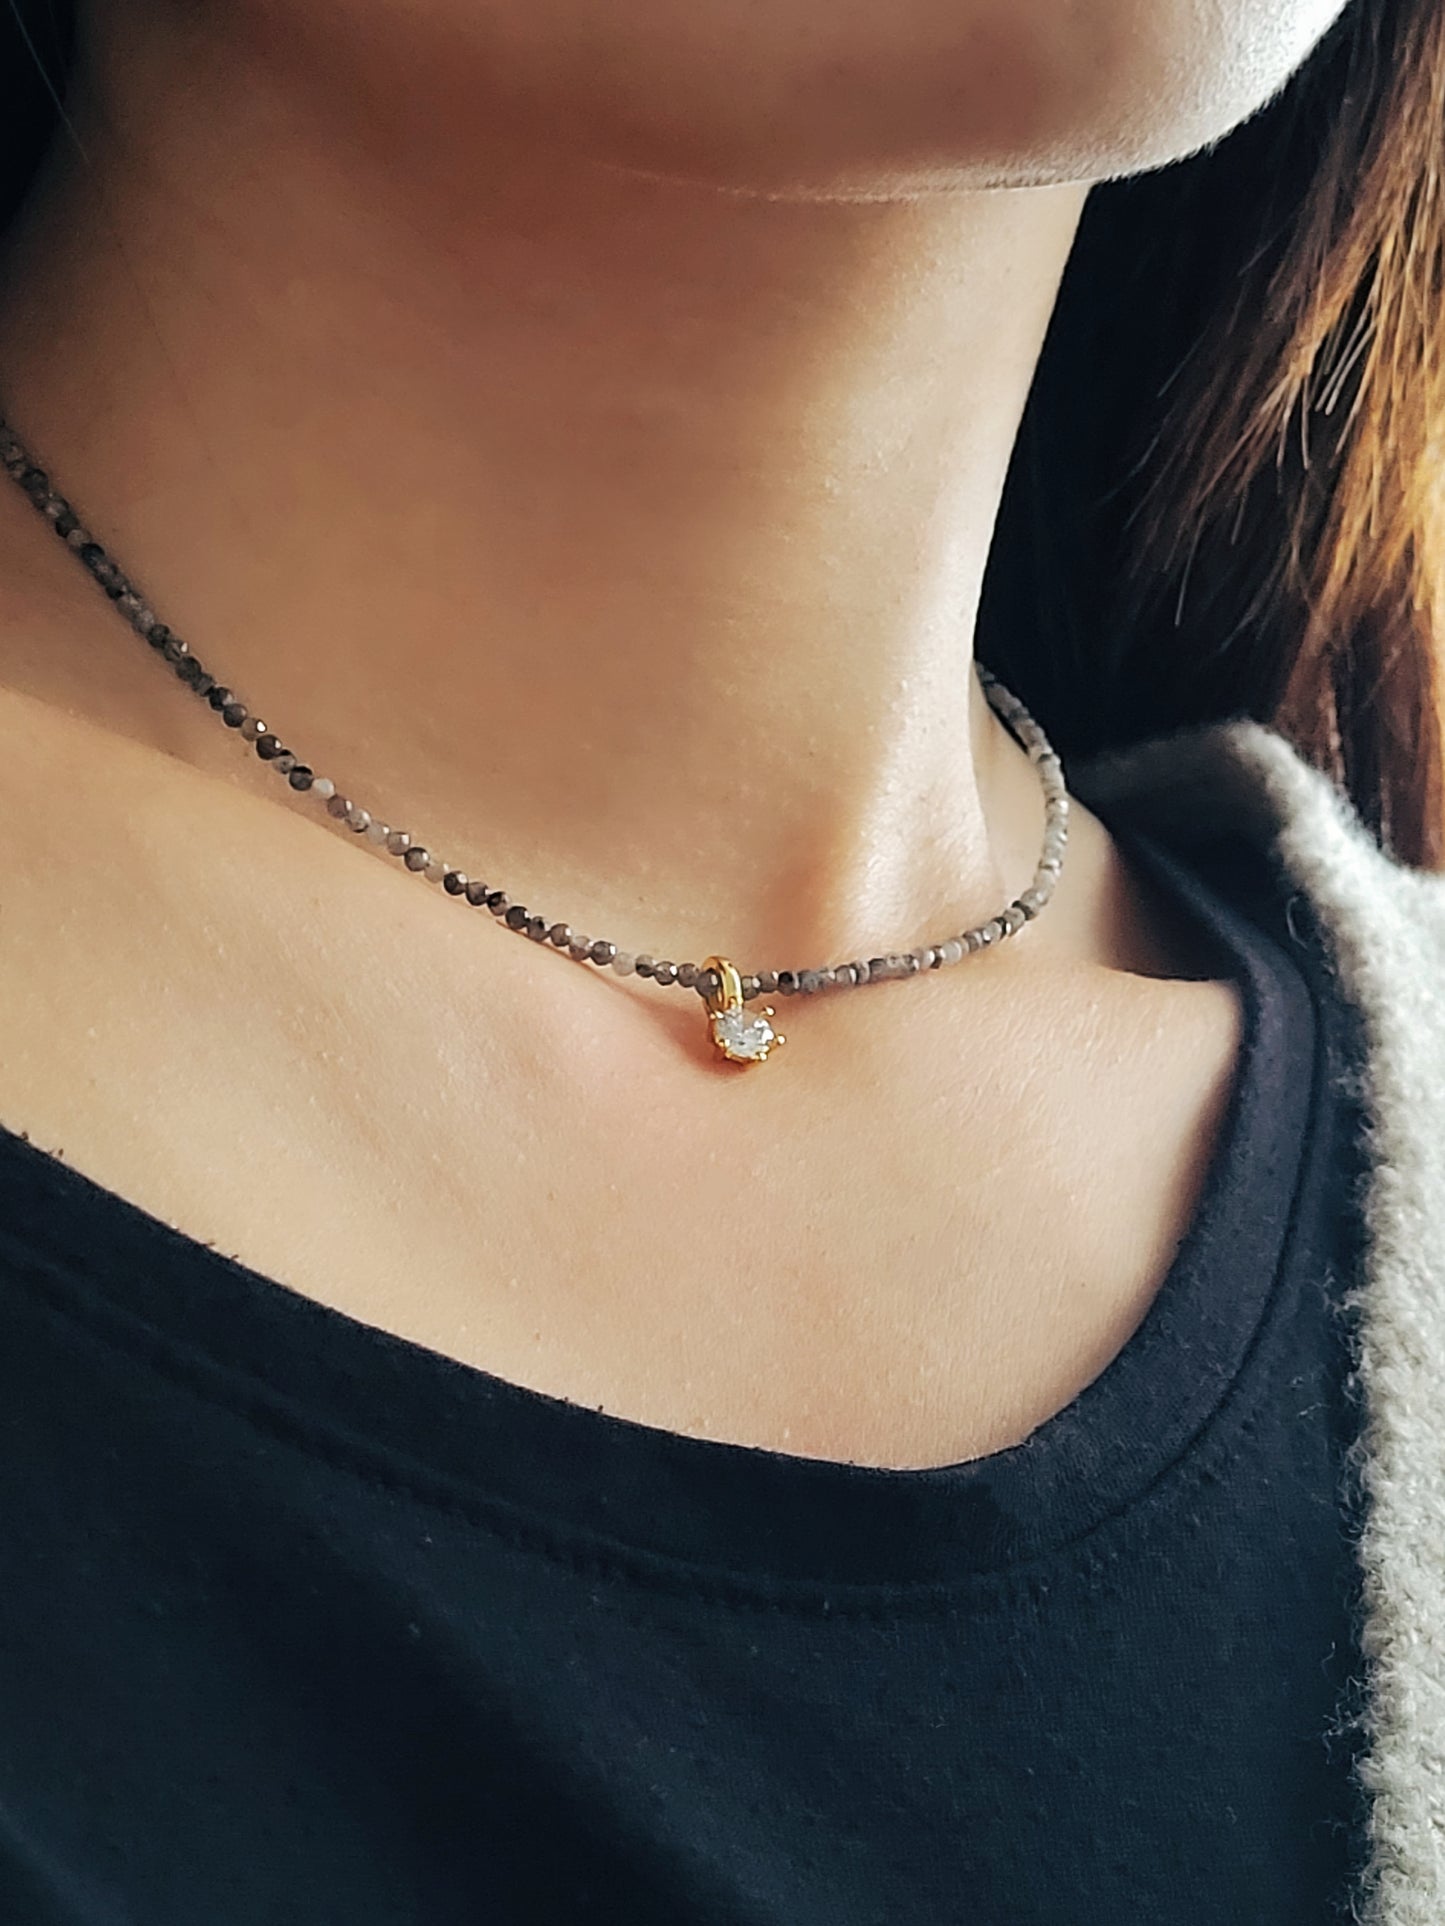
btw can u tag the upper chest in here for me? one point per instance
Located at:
(908, 1238)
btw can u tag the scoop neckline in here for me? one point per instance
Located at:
(646, 1497)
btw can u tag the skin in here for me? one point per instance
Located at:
(580, 430)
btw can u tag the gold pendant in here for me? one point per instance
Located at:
(738, 1033)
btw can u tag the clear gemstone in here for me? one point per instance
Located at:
(743, 1033)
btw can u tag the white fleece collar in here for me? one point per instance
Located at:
(1385, 927)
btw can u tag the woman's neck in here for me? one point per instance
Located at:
(622, 538)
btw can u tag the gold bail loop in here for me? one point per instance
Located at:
(738, 1033)
(729, 992)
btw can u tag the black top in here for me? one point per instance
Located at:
(300, 1621)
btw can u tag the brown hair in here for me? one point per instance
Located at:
(1228, 493)
(1227, 496)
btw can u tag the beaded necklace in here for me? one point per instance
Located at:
(739, 1034)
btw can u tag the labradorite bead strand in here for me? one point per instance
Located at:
(234, 714)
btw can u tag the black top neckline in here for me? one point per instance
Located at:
(552, 1474)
